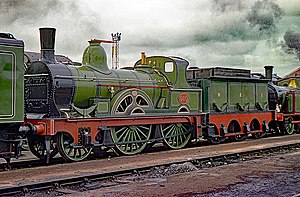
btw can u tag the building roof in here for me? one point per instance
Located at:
(294, 73)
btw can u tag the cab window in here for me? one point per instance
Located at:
(169, 67)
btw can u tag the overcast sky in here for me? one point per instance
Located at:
(236, 33)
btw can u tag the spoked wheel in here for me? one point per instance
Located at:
(37, 146)
(176, 136)
(131, 140)
(70, 151)
(289, 126)
(215, 139)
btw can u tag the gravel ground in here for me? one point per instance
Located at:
(177, 180)
(273, 176)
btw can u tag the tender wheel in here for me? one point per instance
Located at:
(70, 151)
(238, 137)
(289, 126)
(254, 126)
(215, 139)
(234, 127)
(37, 146)
(176, 136)
(258, 135)
(131, 140)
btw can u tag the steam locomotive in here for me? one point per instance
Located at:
(62, 107)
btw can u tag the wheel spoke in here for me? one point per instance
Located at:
(140, 131)
(176, 135)
(131, 137)
(171, 130)
(70, 150)
(124, 133)
(120, 130)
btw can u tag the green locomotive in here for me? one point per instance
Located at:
(290, 104)
(11, 94)
(154, 88)
(76, 109)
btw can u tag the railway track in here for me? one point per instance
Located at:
(30, 161)
(91, 180)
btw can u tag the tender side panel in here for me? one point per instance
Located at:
(8, 84)
(11, 81)
(218, 96)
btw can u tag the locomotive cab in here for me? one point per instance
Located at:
(179, 95)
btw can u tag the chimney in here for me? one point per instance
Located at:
(47, 40)
(269, 72)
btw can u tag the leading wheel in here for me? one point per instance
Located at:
(131, 140)
(70, 151)
(37, 146)
(176, 136)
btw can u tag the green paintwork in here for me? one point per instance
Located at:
(262, 95)
(297, 102)
(94, 82)
(233, 94)
(172, 70)
(12, 81)
(95, 56)
(294, 99)
(291, 82)
(218, 95)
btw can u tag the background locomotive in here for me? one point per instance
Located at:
(76, 109)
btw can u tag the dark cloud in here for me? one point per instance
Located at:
(241, 20)
(208, 32)
(264, 16)
(29, 10)
(292, 41)
(228, 5)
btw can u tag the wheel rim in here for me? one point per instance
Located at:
(37, 146)
(124, 104)
(131, 140)
(239, 137)
(69, 151)
(289, 126)
(176, 136)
